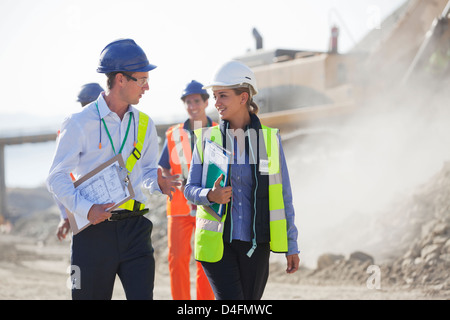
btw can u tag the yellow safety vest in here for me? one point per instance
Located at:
(136, 155)
(209, 231)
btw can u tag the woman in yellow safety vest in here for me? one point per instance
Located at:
(233, 242)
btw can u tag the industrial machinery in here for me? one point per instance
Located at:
(296, 83)
(298, 88)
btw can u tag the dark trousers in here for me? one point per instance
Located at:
(102, 251)
(236, 276)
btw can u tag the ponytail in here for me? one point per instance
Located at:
(251, 105)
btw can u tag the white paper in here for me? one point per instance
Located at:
(105, 187)
(109, 185)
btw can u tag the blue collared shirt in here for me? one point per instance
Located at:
(241, 181)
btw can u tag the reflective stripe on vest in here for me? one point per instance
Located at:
(136, 155)
(278, 224)
(209, 231)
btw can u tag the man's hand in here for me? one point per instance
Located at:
(219, 194)
(98, 213)
(63, 229)
(293, 262)
(168, 183)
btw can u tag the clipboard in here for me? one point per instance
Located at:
(216, 160)
(108, 182)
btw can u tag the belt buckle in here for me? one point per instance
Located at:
(112, 214)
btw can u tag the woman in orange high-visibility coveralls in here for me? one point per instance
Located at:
(175, 159)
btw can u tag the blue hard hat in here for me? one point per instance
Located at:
(193, 87)
(89, 92)
(123, 55)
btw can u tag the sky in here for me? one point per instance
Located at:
(50, 48)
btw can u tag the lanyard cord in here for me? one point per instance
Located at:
(124, 139)
(109, 136)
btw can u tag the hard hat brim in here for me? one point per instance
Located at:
(150, 67)
(147, 68)
(222, 85)
(216, 84)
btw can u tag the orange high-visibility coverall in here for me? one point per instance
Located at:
(181, 223)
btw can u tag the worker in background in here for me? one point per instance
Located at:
(439, 61)
(234, 248)
(175, 160)
(88, 93)
(116, 242)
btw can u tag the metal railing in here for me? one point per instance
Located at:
(4, 141)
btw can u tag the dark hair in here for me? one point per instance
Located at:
(204, 96)
(111, 77)
(251, 105)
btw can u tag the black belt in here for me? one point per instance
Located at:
(125, 214)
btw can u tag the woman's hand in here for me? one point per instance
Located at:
(293, 262)
(219, 194)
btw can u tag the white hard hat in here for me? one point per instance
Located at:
(234, 74)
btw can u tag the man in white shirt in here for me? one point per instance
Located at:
(88, 93)
(117, 242)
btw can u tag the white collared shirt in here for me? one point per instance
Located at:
(78, 152)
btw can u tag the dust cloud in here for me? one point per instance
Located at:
(346, 174)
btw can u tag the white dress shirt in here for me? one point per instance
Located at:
(77, 151)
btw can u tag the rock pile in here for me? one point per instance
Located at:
(427, 259)
(336, 269)
(411, 241)
(426, 262)
(412, 238)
